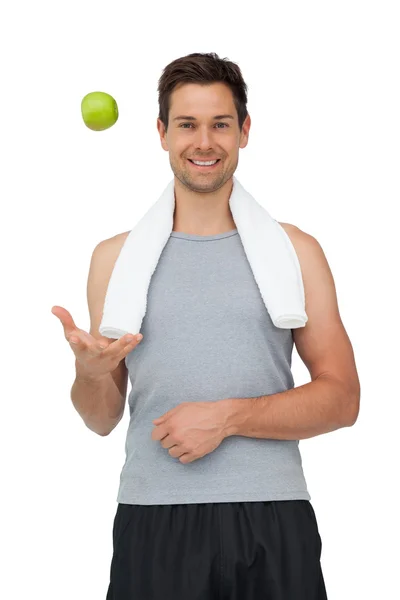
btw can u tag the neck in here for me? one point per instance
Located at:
(203, 213)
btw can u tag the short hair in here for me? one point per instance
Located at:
(202, 68)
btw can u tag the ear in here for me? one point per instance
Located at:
(162, 133)
(244, 135)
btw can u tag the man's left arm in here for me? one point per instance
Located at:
(332, 399)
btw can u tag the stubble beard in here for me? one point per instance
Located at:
(202, 183)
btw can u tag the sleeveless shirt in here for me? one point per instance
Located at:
(207, 335)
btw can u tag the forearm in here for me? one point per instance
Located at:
(98, 401)
(318, 407)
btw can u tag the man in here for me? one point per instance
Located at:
(213, 502)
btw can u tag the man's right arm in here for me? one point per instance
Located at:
(101, 401)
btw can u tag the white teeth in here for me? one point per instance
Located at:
(204, 164)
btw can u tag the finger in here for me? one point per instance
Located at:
(95, 348)
(80, 343)
(166, 415)
(66, 319)
(121, 348)
(76, 343)
(81, 347)
(158, 433)
(186, 459)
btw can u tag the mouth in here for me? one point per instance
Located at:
(206, 167)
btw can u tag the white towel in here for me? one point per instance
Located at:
(268, 248)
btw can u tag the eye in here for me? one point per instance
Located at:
(220, 123)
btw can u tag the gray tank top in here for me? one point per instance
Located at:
(207, 335)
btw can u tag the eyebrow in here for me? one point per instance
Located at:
(188, 118)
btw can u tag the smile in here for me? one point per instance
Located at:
(205, 167)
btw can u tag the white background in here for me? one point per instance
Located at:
(323, 154)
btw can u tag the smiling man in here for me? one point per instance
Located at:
(203, 138)
(213, 501)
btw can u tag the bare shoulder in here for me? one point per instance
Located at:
(113, 244)
(319, 285)
(288, 227)
(106, 253)
(309, 253)
(102, 264)
(104, 257)
(323, 344)
(307, 247)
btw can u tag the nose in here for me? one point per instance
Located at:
(203, 139)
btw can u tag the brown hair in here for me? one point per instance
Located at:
(203, 69)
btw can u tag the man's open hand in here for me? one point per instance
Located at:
(192, 429)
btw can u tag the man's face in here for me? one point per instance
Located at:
(203, 137)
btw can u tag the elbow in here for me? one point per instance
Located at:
(347, 402)
(352, 409)
(96, 429)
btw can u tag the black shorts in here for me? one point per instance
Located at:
(217, 551)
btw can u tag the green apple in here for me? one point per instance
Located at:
(99, 111)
